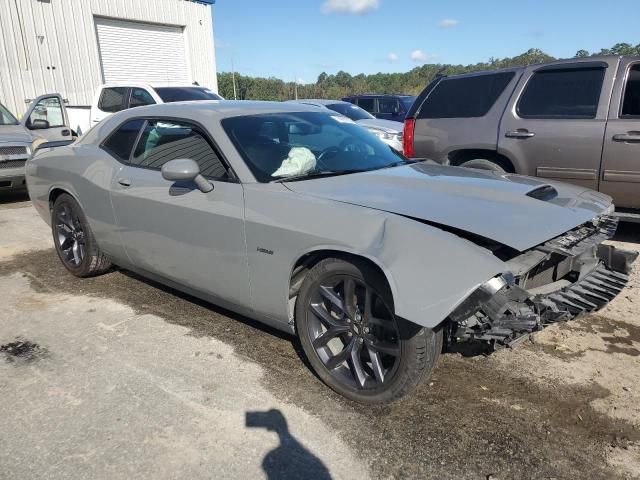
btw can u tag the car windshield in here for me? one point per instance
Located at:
(407, 102)
(354, 112)
(294, 146)
(186, 94)
(6, 117)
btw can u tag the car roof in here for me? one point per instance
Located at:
(562, 61)
(219, 108)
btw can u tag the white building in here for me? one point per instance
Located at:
(73, 46)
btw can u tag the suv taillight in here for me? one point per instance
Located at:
(407, 139)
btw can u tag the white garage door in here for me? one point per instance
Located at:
(142, 52)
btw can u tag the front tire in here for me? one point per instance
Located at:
(74, 241)
(353, 340)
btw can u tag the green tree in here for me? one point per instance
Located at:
(412, 82)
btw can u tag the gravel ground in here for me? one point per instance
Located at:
(118, 377)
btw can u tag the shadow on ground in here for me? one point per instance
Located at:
(13, 196)
(290, 459)
(628, 232)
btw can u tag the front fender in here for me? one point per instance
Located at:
(430, 271)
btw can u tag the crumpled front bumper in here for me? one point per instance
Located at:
(503, 312)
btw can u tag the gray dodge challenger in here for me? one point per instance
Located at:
(307, 222)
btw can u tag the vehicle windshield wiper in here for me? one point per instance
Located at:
(316, 174)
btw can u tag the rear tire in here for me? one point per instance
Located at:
(74, 241)
(371, 356)
(482, 164)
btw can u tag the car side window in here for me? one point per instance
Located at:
(366, 103)
(388, 105)
(140, 97)
(112, 99)
(165, 140)
(631, 102)
(562, 93)
(121, 142)
(465, 97)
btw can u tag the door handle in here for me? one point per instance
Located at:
(630, 137)
(520, 133)
(65, 132)
(125, 182)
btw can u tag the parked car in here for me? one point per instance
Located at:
(111, 98)
(573, 120)
(294, 217)
(386, 107)
(386, 130)
(43, 122)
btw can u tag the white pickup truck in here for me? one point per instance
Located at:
(111, 98)
(49, 123)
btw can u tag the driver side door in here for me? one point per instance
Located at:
(47, 118)
(174, 230)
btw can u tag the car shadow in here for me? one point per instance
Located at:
(207, 305)
(14, 196)
(290, 459)
(628, 232)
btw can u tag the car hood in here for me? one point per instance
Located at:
(517, 211)
(14, 133)
(385, 125)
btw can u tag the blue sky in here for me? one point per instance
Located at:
(289, 39)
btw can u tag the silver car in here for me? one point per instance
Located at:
(388, 131)
(290, 215)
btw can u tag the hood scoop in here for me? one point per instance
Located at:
(543, 192)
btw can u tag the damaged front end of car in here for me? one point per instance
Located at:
(559, 280)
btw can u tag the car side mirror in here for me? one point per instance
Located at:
(38, 124)
(185, 169)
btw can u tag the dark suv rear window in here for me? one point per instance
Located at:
(465, 97)
(562, 93)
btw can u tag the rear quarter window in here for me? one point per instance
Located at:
(120, 143)
(465, 97)
(562, 93)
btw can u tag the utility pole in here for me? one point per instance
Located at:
(295, 85)
(233, 76)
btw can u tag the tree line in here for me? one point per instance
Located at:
(412, 82)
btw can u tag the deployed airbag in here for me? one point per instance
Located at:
(300, 160)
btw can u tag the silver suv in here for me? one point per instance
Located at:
(574, 120)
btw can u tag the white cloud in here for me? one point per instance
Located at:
(418, 56)
(392, 57)
(349, 7)
(448, 23)
(300, 81)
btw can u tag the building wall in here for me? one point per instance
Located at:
(38, 35)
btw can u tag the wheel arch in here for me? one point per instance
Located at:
(54, 193)
(305, 262)
(458, 157)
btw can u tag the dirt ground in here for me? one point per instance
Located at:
(562, 406)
